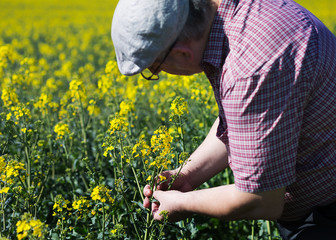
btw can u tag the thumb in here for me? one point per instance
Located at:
(158, 194)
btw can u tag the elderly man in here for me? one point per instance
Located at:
(272, 66)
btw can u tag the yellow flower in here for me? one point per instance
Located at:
(102, 194)
(141, 148)
(119, 123)
(126, 107)
(4, 190)
(149, 178)
(77, 90)
(110, 66)
(43, 103)
(179, 107)
(82, 204)
(93, 109)
(29, 226)
(9, 97)
(162, 178)
(61, 205)
(9, 170)
(61, 129)
(161, 141)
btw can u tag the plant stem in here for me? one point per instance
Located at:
(131, 215)
(268, 224)
(253, 229)
(147, 226)
(3, 212)
(103, 227)
(137, 182)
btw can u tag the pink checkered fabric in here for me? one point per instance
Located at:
(272, 65)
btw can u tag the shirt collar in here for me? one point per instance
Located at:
(218, 46)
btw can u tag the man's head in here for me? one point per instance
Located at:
(143, 32)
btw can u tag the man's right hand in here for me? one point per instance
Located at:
(181, 184)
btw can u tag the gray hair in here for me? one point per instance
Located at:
(197, 21)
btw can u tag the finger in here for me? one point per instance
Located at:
(158, 194)
(146, 202)
(147, 191)
(157, 216)
(155, 207)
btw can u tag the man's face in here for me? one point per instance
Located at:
(182, 59)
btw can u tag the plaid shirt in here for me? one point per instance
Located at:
(272, 66)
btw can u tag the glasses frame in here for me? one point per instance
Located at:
(155, 76)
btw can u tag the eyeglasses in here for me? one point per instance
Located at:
(149, 75)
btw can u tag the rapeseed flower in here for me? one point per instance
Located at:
(43, 102)
(82, 205)
(28, 226)
(161, 141)
(141, 148)
(9, 97)
(61, 129)
(102, 194)
(9, 170)
(61, 205)
(77, 90)
(178, 107)
(93, 109)
(20, 112)
(118, 123)
(126, 107)
(4, 190)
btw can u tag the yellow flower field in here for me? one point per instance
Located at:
(79, 141)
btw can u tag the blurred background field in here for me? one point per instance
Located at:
(76, 137)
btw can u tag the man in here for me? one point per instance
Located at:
(272, 66)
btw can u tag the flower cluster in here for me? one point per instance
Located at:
(61, 129)
(9, 97)
(82, 205)
(30, 227)
(178, 108)
(61, 205)
(102, 194)
(118, 124)
(161, 141)
(141, 148)
(9, 170)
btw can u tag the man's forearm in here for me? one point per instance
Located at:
(226, 202)
(209, 159)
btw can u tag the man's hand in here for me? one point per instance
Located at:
(180, 184)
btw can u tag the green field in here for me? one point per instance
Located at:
(78, 141)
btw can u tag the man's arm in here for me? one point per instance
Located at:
(224, 202)
(207, 160)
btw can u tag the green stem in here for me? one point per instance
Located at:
(131, 215)
(147, 226)
(181, 134)
(227, 176)
(137, 182)
(253, 229)
(81, 118)
(103, 227)
(3, 212)
(268, 224)
(28, 163)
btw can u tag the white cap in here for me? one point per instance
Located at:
(142, 29)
